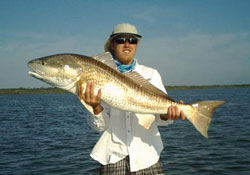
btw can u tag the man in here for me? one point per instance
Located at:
(126, 147)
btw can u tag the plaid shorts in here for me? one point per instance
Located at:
(122, 167)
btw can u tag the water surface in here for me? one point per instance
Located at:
(48, 134)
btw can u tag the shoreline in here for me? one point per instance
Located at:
(206, 86)
(51, 90)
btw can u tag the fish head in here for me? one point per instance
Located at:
(62, 71)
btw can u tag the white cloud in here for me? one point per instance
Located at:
(189, 60)
(200, 58)
(17, 49)
(148, 14)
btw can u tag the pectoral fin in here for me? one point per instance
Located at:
(87, 106)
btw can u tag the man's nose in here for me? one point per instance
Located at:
(126, 44)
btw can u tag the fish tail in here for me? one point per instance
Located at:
(201, 116)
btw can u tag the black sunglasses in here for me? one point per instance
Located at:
(124, 40)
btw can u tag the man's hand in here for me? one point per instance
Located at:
(90, 98)
(173, 113)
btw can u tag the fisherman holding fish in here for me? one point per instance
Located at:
(126, 147)
(127, 101)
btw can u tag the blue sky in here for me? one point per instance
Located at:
(190, 42)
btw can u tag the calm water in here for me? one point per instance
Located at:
(48, 134)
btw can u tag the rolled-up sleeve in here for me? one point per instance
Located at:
(101, 121)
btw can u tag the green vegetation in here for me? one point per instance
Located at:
(57, 91)
(206, 87)
(32, 91)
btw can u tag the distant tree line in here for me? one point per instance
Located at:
(32, 91)
(52, 90)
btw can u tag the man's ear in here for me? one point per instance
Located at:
(112, 45)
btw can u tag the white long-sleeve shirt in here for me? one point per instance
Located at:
(124, 136)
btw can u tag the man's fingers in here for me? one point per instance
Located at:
(91, 86)
(89, 95)
(98, 97)
(183, 117)
(173, 112)
(80, 92)
(87, 92)
(177, 112)
(169, 112)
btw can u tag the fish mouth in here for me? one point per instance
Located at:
(34, 72)
(42, 72)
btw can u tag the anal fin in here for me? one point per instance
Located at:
(145, 120)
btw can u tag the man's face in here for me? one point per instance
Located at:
(124, 51)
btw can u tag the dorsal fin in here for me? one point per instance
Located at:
(107, 59)
(138, 79)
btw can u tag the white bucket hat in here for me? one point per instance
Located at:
(123, 28)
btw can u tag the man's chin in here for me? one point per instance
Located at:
(126, 60)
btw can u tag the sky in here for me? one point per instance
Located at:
(190, 42)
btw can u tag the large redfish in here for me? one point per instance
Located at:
(129, 92)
